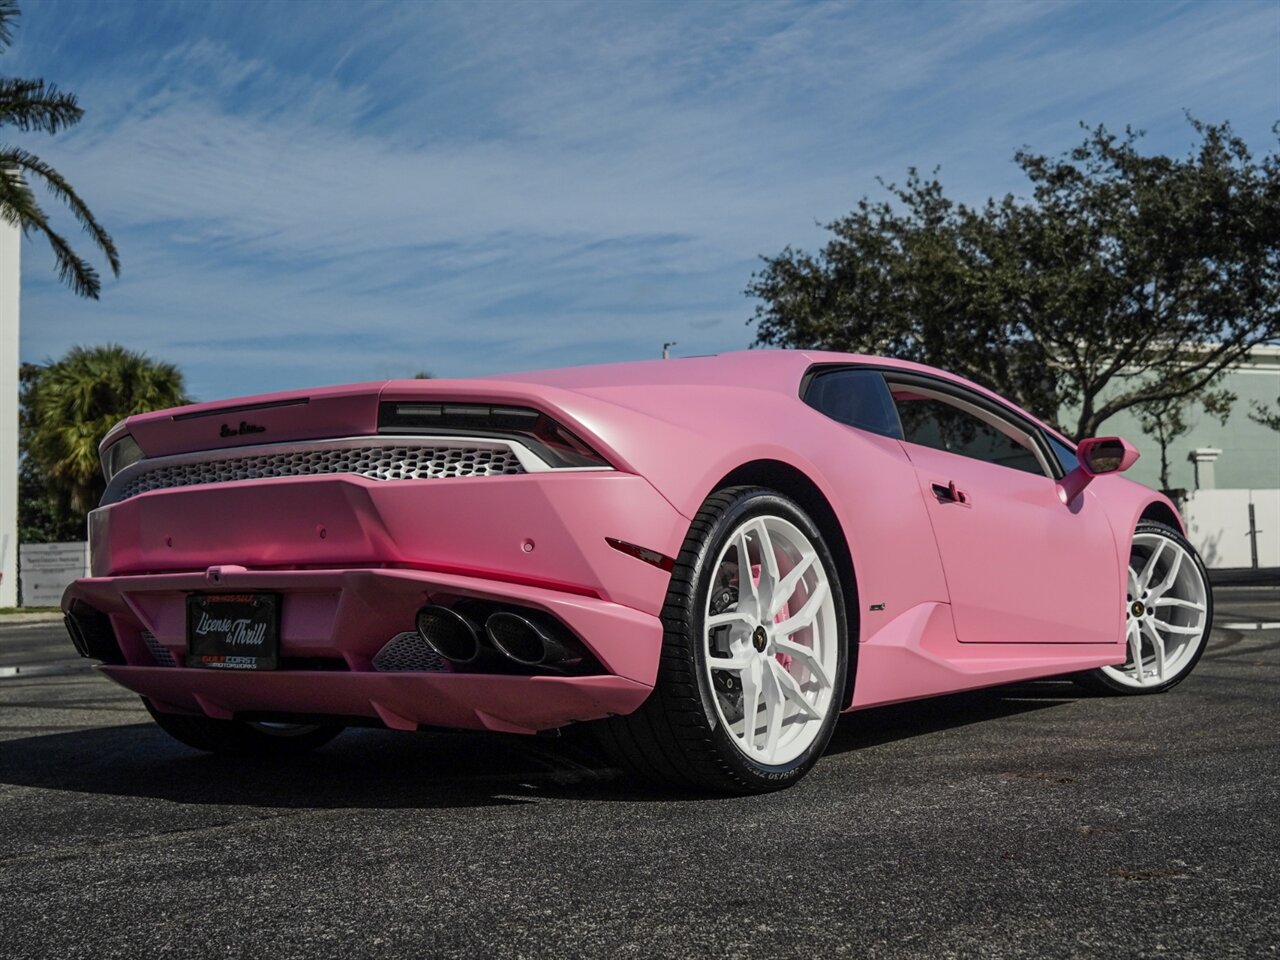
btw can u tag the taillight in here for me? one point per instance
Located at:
(123, 453)
(554, 442)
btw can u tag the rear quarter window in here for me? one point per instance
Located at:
(856, 398)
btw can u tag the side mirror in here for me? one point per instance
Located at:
(1106, 455)
(1096, 456)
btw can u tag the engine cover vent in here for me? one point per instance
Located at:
(374, 459)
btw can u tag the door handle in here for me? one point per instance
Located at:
(950, 493)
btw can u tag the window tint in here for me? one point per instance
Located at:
(933, 423)
(857, 398)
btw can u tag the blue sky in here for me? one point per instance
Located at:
(308, 193)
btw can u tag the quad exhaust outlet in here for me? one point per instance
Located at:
(449, 633)
(530, 640)
(524, 638)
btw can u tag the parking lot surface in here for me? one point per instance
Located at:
(1029, 821)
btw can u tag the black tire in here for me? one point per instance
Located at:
(1098, 681)
(676, 737)
(240, 738)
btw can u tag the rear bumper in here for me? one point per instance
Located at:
(354, 559)
(346, 617)
(401, 701)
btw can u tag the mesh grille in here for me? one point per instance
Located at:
(159, 652)
(375, 462)
(408, 653)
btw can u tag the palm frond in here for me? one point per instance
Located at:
(19, 206)
(60, 188)
(36, 105)
(16, 199)
(8, 13)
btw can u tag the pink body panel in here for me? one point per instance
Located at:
(473, 526)
(916, 655)
(301, 415)
(354, 557)
(1021, 566)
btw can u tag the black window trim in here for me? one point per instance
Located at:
(896, 375)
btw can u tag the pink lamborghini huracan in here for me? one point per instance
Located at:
(706, 559)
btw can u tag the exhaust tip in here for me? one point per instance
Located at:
(76, 634)
(92, 634)
(449, 634)
(527, 641)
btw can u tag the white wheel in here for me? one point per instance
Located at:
(771, 640)
(1168, 612)
(755, 653)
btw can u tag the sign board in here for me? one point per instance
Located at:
(47, 570)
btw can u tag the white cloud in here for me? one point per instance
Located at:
(489, 186)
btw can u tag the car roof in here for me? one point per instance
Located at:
(780, 370)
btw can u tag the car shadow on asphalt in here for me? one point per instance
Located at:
(378, 769)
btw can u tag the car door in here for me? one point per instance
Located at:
(1021, 566)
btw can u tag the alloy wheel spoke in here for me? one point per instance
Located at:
(1157, 645)
(787, 585)
(1178, 602)
(768, 555)
(774, 708)
(1171, 576)
(1144, 579)
(1175, 628)
(1133, 584)
(750, 701)
(769, 575)
(790, 690)
(806, 614)
(746, 577)
(1135, 648)
(807, 656)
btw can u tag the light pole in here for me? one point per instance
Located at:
(666, 349)
(10, 245)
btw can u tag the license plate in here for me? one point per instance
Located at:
(233, 631)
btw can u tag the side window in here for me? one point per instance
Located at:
(1066, 456)
(856, 398)
(932, 421)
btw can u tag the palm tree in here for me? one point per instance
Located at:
(36, 105)
(69, 405)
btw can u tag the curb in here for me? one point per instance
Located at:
(1245, 577)
(47, 617)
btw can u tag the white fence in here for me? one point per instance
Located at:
(48, 568)
(1235, 528)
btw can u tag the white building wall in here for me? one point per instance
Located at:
(10, 245)
(1218, 526)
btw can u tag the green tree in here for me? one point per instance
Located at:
(1166, 420)
(1266, 416)
(33, 105)
(67, 408)
(1123, 280)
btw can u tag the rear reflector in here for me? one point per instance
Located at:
(653, 557)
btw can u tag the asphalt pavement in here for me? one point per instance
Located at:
(1029, 821)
